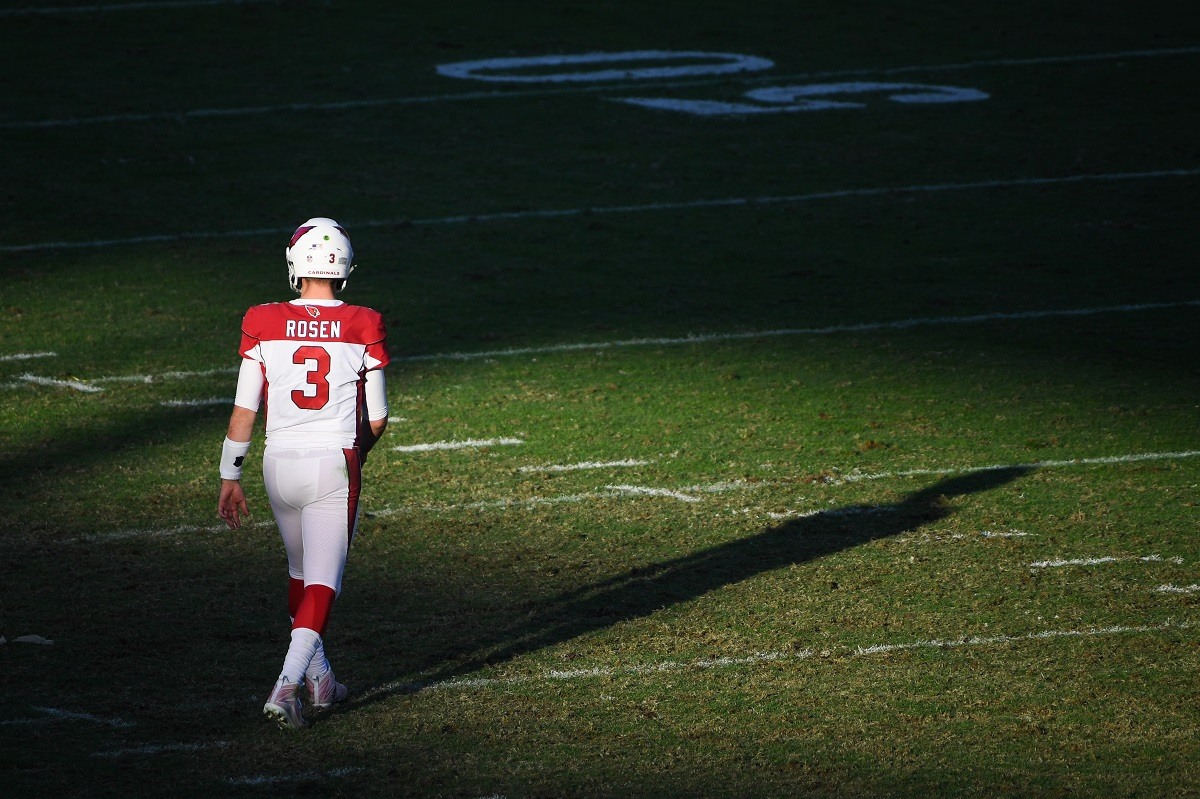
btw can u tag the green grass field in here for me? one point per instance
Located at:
(835, 451)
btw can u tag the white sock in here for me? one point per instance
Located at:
(319, 665)
(299, 654)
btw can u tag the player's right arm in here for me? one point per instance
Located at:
(231, 502)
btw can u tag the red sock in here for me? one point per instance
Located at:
(315, 608)
(295, 595)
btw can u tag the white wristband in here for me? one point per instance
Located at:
(232, 455)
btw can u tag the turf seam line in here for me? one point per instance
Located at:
(509, 94)
(563, 213)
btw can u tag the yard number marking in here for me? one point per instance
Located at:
(509, 70)
(795, 99)
(633, 65)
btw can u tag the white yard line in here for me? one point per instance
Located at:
(470, 443)
(161, 749)
(90, 386)
(586, 465)
(634, 492)
(861, 327)
(610, 492)
(788, 199)
(68, 715)
(198, 403)
(1101, 561)
(1045, 635)
(933, 538)
(687, 205)
(174, 375)
(833, 654)
(1178, 589)
(160, 5)
(644, 491)
(37, 380)
(26, 356)
(606, 88)
(183, 529)
(855, 477)
(29, 639)
(303, 776)
(827, 512)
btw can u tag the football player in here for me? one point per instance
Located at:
(317, 362)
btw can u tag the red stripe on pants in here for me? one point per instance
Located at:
(354, 479)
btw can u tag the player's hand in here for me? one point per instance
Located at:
(231, 505)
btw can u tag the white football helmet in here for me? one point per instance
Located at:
(319, 248)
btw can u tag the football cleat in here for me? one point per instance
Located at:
(325, 691)
(283, 706)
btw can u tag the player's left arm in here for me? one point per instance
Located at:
(377, 358)
(377, 411)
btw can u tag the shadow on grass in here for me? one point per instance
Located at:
(643, 591)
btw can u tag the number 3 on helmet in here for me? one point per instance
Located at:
(319, 248)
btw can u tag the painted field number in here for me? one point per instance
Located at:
(600, 67)
(640, 65)
(812, 97)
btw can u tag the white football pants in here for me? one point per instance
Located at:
(314, 496)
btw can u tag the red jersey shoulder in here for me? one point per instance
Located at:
(259, 319)
(366, 323)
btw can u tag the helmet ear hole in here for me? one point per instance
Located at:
(293, 281)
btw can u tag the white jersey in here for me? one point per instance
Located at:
(314, 356)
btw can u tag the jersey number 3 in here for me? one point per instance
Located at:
(318, 378)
